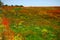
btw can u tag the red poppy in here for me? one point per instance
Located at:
(5, 21)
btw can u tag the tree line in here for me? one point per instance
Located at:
(2, 4)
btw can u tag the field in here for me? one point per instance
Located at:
(29, 23)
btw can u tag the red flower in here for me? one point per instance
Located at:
(5, 21)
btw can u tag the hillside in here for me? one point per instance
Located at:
(30, 23)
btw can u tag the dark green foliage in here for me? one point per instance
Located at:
(17, 5)
(11, 5)
(21, 6)
(1, 4)
(6, 5)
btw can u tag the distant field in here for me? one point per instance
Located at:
(29, 23)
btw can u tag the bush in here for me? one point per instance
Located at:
(17, 5)
(6, 5)
(21, 6)
(11, 5)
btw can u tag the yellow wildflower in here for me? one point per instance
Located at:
(44, 30)
(20, 23)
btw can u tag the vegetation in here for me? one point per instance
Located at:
(1, 4)
(19, 6)
(6, 5)
(30, 23)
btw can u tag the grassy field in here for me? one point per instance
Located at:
(29, 23)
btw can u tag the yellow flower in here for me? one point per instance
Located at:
(20, 23)
(1, 27)
(18, 37)
(44, 30)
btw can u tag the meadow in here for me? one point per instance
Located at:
(29, 23)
